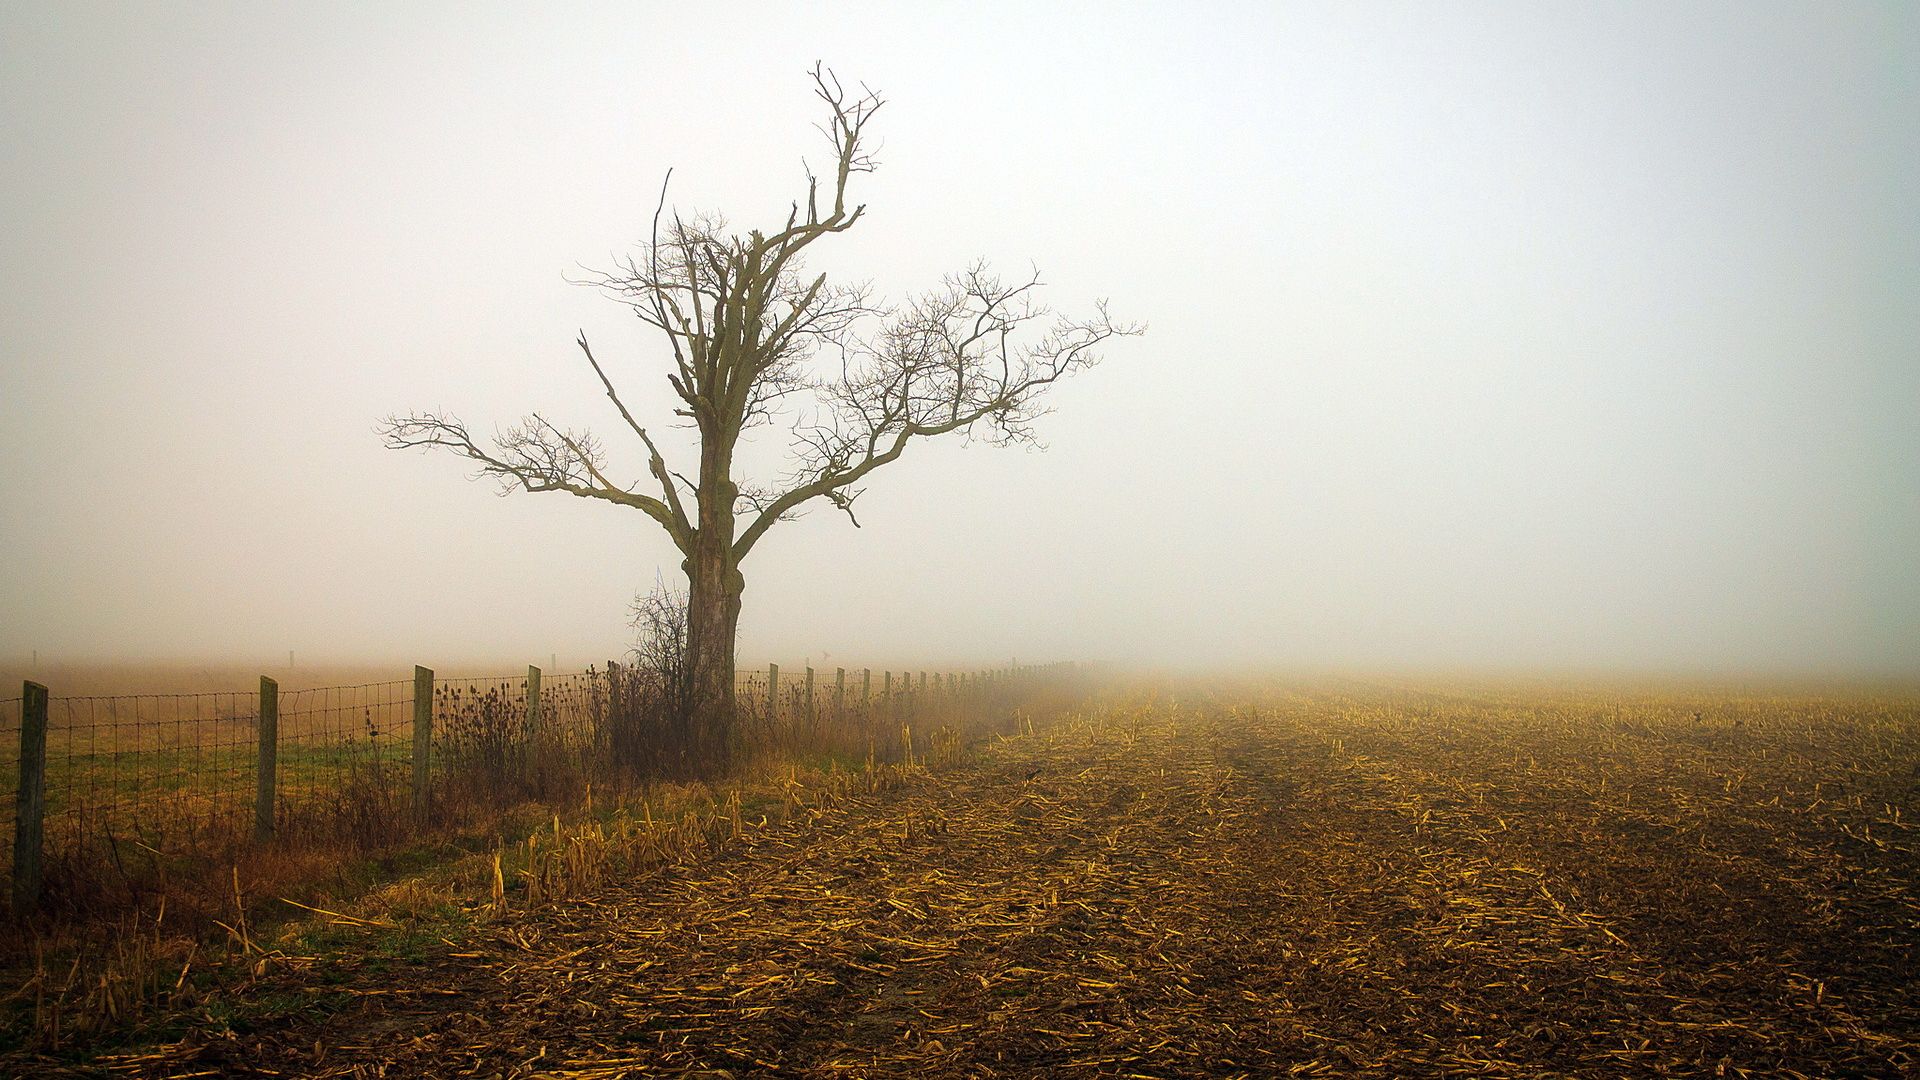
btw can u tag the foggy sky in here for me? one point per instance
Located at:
(1503, 336)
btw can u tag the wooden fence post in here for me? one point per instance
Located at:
(808, 699)
(266, 769)
(29, 820)
(533, 700)
(422, 736)
(840, 696)
(773, 693)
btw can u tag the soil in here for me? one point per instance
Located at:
(1304, 883)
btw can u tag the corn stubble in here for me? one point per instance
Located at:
(1332, 879)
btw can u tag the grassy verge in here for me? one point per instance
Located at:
(81, 995)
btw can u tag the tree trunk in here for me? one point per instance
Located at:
(713, 616)
(714, 584)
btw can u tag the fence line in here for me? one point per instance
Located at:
(136, 786)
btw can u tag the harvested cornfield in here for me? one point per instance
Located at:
(1329, 880)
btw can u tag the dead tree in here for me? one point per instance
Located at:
(752, 335)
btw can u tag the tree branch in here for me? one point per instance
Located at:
(655, 462)
(533, 457)
(949, 362)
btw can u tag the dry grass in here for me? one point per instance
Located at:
(1333, 879)
(147, 791)
(87, 972)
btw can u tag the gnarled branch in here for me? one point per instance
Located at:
(954, 360)
(534, 456)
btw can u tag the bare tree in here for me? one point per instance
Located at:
(749, 333)
(653, 727)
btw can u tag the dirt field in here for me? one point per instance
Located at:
(1337, 881)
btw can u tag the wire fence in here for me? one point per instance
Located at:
(121, 767)
(132, 788)
(343, 754)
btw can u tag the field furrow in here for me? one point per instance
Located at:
(1282, 886)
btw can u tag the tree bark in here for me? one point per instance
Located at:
(713, 617)
(714, 585)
